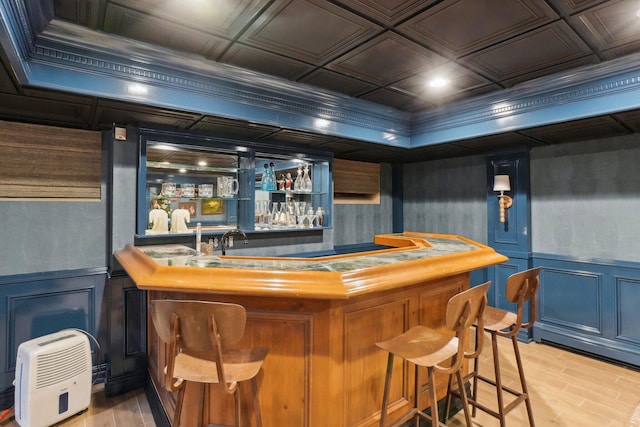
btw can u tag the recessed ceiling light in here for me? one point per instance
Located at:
(202, 163)
(182, 170)
(438, 82)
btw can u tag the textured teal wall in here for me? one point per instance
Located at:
(447, 196)
(585, 199)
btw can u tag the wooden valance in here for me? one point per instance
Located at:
(46, 162)
(356, 182)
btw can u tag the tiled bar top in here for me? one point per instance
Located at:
(413, 257)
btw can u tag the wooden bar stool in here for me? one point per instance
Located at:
(521, 288)
(197, 333)
(430, 348)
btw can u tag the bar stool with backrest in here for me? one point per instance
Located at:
(521, 288)
(198, 334)
(431, 348)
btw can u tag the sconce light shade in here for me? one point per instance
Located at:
(501, 183)
(120, 133)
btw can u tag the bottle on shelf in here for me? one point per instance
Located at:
(306, 179)
(319, 216)
(264, 185)
(273, 184)
(299, 182)
(288, 182)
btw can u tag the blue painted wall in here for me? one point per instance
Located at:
(447, 196)
(585, 199)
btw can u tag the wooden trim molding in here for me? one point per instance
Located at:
(50, 163)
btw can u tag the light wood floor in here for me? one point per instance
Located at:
(130, 409)
(567, 390)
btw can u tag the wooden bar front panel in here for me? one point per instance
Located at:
(323, 367)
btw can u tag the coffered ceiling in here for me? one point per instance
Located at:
(382, 51)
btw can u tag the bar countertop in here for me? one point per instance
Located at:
(412, 257)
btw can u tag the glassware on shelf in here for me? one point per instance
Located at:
(310, 217)
(168, 189)
(205, 191)
(188, 190)
(291, 212)
(300, 205)
(264, 184)
(274, 214)
(299, 182)
(261, 207)
(283, 219)
(273, 184)
(320, 216)
(307, 185)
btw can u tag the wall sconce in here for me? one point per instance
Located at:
(120, 133)
(501, 183)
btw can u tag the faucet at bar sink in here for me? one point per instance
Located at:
(226, 241)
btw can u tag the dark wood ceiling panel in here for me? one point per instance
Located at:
(224, 18)
(497, 142)
(311, 30)
(570, 7)
(592, 128)
(110, 112)
(289, 136)
(265, 62)
(82, 12)
(132, 24)
(6, 82)
(456, 28)
(395, 99)
(375, 154)
(610, 25)
(342, 146)
(524, 55)
(460, 79)
(436, 152)
(386, 59)
(631, 119)
(222, 127)
(330, 80)
(45, 110)
(387, 12)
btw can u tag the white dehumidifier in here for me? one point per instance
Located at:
(53, 378)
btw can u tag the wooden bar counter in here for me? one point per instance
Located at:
(320, 318)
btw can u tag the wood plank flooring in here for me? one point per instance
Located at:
(129, 409)
(567, 390)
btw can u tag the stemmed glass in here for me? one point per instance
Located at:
(263, 216)
(300, 207)
(311, 216)
(282, 214)
(274, 214)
